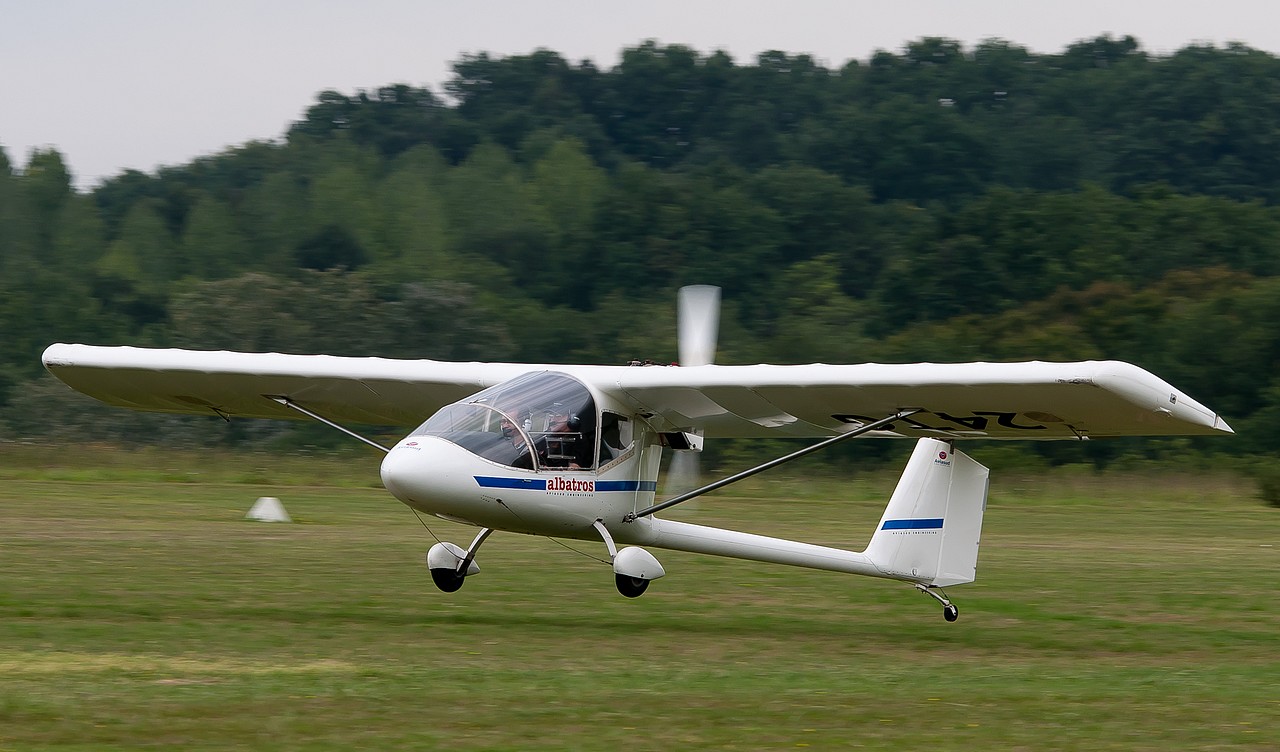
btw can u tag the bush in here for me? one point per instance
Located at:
(1268, 478)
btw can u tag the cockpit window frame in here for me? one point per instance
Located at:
(556, 414)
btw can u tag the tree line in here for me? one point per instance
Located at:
(934, 203)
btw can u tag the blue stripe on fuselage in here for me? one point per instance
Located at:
(929, 524)
(626, 485)
(536, 484)
(499, 482)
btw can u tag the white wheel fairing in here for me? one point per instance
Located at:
(445, 555)
(637, 563)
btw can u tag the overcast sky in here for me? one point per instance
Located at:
(119, 84)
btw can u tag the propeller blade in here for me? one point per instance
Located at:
(698, 323)
(698, 317)
(683, 474)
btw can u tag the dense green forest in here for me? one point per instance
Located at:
(937, 203)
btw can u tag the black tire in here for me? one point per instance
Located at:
(448, 580)
(632, 587)
(950, 613)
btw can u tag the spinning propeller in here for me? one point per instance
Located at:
(698, 324)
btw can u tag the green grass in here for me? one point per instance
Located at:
(138, 609)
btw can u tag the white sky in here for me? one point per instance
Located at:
(118, 84)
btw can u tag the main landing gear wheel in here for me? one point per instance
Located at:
(450, 565)
(632, 587)
(950, 612)
(633, 567)
(448, 580)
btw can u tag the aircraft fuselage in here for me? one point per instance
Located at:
(440, 478)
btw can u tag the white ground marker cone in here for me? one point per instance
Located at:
(268, 509)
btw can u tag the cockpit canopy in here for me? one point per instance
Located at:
(542, 420)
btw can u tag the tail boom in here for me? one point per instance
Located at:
(700, 539)
(928, 534)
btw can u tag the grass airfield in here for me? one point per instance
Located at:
(139, 609)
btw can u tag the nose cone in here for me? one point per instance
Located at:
(431, 474)
(404, 470)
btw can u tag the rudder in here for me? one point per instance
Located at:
(931, 527)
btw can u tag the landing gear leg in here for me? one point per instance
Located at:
(949, 610)
(633, 568)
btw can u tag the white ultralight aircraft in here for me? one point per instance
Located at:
(573, 451)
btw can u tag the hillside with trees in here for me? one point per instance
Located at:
(936, 203)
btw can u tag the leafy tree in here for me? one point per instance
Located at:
(211, 242)
(645, 231)
(46, 181)
(117, 196)
(254, 312)
(657, 98)
(275, 216)
(822, 216)
(492, 220)
(79, 237)
(444, 321)
(331, 247)
(131, 277)
(342, 201)
(816, 320)
(391, 119)
(413, 230)
(516, 96)
(566, 188)
(19, 229)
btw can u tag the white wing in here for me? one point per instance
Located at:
(1031, 400)
(969, 400)
(365, 390)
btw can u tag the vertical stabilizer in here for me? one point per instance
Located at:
(930, 529)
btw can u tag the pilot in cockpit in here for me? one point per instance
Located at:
(517, 437)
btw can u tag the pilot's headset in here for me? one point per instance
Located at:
(572, 423)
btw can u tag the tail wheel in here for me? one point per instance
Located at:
(632, 587)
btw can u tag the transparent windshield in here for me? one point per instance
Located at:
(536, 421)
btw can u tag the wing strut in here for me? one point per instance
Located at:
(865, 428)
(295, 406)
